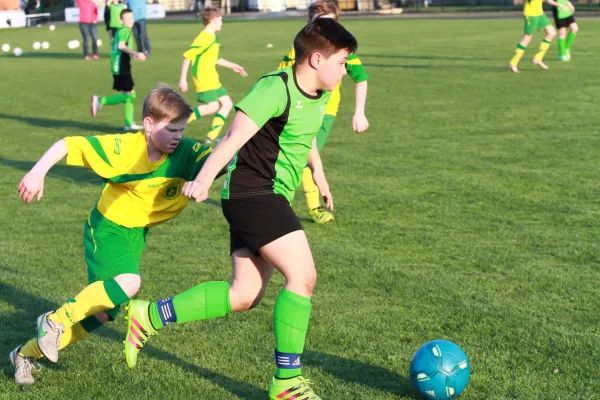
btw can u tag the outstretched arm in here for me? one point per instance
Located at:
(235, 67)
(185, 65)
(316, 166)
(359, 120)
(33, 182)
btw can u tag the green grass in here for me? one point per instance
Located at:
(469, 212)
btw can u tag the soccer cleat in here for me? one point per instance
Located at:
(132, 127)
(23, 367)
(563, 58)
(321, 215)
(95, 105)
(48, 336)
(295, 388)
(513, 68)
(568, 55)
(95, 56)
(139, 328)
(540, 64)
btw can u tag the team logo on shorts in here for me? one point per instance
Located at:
(172, 191)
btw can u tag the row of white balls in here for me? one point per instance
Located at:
(72, 44)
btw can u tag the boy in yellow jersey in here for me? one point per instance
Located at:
(328, 9)
(143, 175)
(535, 20)
(203, 56)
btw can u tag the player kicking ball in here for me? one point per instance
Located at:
(535, 20)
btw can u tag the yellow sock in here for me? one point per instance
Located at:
(31, 349)
(195, 115)
(311, 191)
(99, 296)
(518, 54)
(69, 337)
(216, 126)
(544, 46)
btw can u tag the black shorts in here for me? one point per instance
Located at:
(564, 22)
(256, 221)
(123, 82)
(113, 31)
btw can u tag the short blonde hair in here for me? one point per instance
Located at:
(210, 13)
(165, 104)
(322, 7)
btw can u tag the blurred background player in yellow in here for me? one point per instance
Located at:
(328, 9)
(203, 56)
(535, 20)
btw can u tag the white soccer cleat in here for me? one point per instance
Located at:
(132, 127)
(48, 336)
(95, 105)
(23, 367)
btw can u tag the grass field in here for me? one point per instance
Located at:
(469, 211)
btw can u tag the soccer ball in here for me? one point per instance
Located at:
(440, 370)
(73, 44)
(5, 47)
(37, 45)
(17, 51)
(45, 45)
(52, 27)
(99, 42)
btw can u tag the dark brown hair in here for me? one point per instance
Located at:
(323, 35)
(322, 7)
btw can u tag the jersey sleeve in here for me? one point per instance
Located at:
(101, 154)
(123, 35)
(194, 156)
(355, 69)
(267, 99)
(288, 59)
(198, 47)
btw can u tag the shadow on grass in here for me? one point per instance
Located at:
(425, 57)
(62, 123)
(29, 53)
(61, 171)
(30, 307)
(437, 66)
(360, 373)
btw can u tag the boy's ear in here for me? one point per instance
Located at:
(315, 59)
(148, 124)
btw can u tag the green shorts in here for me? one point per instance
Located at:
(209, 96)
(324, 131)
(111, 250)
(534, 24)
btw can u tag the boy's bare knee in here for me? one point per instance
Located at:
(226, 102)
(244, 301)
(574, 28)
(102, 317)
(214, 106)
(130, 283)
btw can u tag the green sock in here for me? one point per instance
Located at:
(205, 301)
(128, 109)
(292, 313)
(561, 47)
(114, 99)
(570, 39)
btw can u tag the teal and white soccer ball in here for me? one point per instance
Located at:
(440, 370)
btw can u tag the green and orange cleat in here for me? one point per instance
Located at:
(139, 329)
(295, 388)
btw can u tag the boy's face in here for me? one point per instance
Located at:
(127, 20)
(165, 135)
(330, 71)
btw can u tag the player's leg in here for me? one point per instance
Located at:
(544, 23)
(318, 214)
(291, 255)
(562, 36)
(251, 275)
(225, 107)
(129, 107)
(204, 108)
(573, 29)
(513, 65)
(113, 255)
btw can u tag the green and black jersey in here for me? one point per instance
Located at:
(272, 161)
(120, 62)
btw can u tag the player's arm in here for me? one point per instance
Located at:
(316, 166)
(185, 66)
(33, 182)
(555, 4)
(137, 55)
(357, 72)
(233, 66)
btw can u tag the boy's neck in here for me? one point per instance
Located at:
(210, 29)
(306, 79)
(154, 154)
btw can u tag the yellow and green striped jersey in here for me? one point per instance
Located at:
(203, 54)
(533, 8)
(353, 66)
(136, 191)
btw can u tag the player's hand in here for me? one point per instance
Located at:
(183, 86)
(140, 56)
(31, 184)
(360, 123)
(195, 190)
(321, 182)
(240, 70)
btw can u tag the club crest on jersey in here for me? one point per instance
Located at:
(299, 104)
(117, 149)
(196, 147)
(171, 191)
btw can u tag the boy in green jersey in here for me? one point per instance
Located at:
(114, 22)
(565, 19)
(120, 66)
(271, 139)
